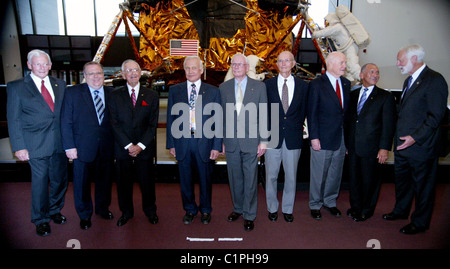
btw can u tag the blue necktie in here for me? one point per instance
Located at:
(407, 86)
(99, 107)
(362, 101)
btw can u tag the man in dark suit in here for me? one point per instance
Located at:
(289, 93)
(327, 104)
(134, 117)
(370, 126)
(243, 98)
(199, 146)
(33, 112)
(420, 113)
(88, 140)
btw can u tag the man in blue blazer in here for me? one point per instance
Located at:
(416, 142)
(33, 111)
(327, 104)
(88, 140)
(134, 113)
(289, 93)
(193, 142)
(370, 124)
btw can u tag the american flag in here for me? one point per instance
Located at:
(183, 47)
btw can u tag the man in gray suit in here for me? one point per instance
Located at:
(242, 101)
(33, 108)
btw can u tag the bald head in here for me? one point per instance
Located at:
(336, 63)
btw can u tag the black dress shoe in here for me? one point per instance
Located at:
(85, 224)
(288, 217)
(106, 215)
(153, 218)
(334, 211)
(122, 221)
(188, 218)
(43, 229)
(352, 213)
(248, 225)
(316, 214)
(206, 218)
(393, 216)
(412, 229)
(361, 217)
(58, 218)
(233, 216)
(273, 216)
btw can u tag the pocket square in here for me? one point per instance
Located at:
(144, 103)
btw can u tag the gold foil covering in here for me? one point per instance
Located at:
(168, 21)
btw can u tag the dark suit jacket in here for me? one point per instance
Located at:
(134, 124)
(325, 115)
(255, 93)
(420, 114)
(79, 124)
(373, 129)
(291, 123)
(209, 95)
(31, 123)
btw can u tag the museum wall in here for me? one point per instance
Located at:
(393, 24)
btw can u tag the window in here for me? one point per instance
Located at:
(70, 17)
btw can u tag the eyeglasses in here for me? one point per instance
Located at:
(284, 60)
(132, 70)
(94, 73)
(237, 64)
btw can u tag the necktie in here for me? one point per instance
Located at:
(133, 97)
(192, 98)
(362, 101)
(285, 97)
(47, 96)
(338, 92)
(409, 79)
(99, 107)
(239, 99)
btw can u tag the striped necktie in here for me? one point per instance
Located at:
(133, 97)
(239, 99)
(362, 101)
(99, 107)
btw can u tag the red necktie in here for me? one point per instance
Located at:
(47, 96)
(338, 92)
(133, 97)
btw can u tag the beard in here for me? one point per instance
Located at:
(407, 68)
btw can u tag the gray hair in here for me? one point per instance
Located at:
(37, 53)
(128, 61)
(239, 54)
(91, 63)
(414, 50)
(193, 57)
(365, 66)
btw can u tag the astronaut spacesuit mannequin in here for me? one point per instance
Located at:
(344, 43)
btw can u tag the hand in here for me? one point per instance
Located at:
(409, 141)
(72, 153)
(223, 150)
(172, 152)
(134, 150)
(382, 156)
(214, 154)
(315, 144)
(22, 155)
(261, 149)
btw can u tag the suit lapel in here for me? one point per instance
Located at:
(31, 87)
(415, 84)
(370, 100)
(87, 98)
(330, 90)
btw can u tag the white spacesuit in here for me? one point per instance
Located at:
(344, 43)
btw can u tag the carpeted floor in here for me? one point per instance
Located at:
(170, 233)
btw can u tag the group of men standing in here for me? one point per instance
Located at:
(93, 125)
